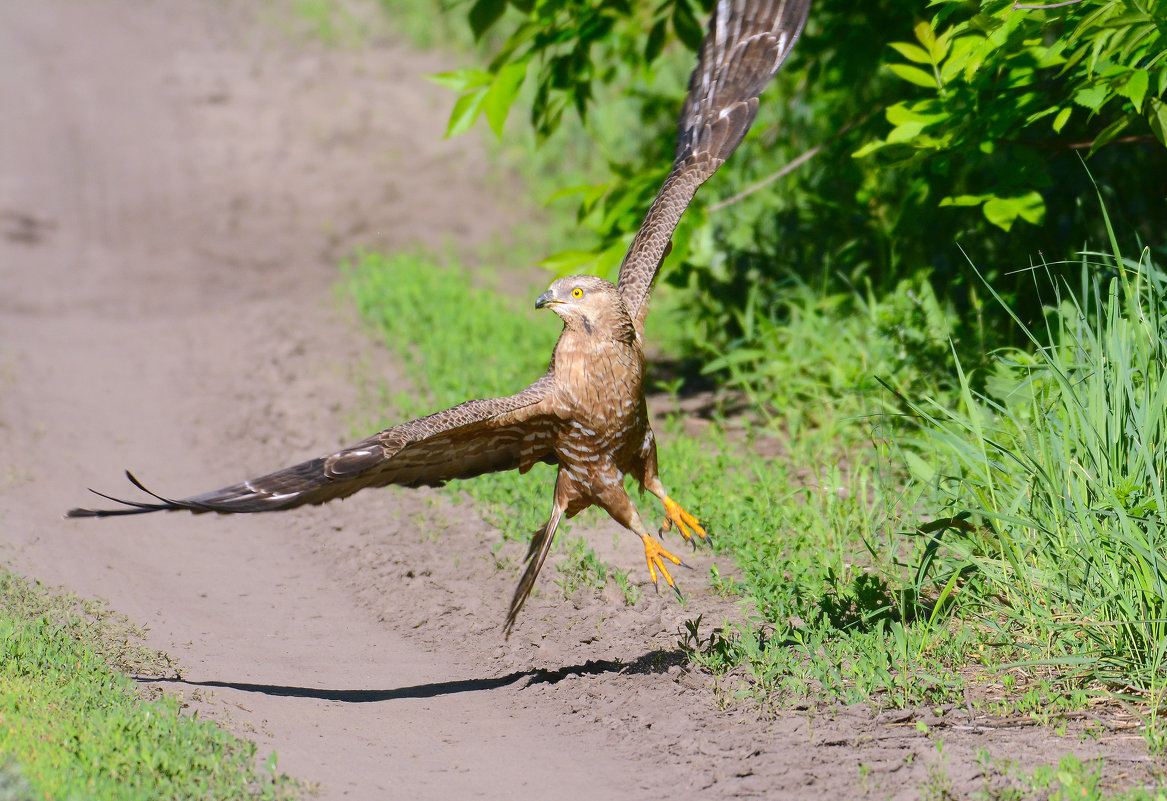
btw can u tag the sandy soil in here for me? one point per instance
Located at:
(178, 182)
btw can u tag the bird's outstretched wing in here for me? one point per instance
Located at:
(476, 437)
(746, 44)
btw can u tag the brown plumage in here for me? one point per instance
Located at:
(587, 414)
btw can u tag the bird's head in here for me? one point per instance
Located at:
(585, 301)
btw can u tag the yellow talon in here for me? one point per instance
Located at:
(655, 555)
(684, 521)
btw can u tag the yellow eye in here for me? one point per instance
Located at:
(577, 293)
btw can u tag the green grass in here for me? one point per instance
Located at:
(74, 725)
(1058, 471)
(858, 595)
(835, 349)
(1070, 778)
(583, 569)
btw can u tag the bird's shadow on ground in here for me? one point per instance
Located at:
(656, 661)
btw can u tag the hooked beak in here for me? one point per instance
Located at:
(546, 299)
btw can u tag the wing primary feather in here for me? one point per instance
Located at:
(166, 503)
(473, 438)
(746, 44)
(136, 507)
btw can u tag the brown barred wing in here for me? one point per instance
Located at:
(475, 437)
(746, 44)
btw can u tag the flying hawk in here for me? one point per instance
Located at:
(587, 414)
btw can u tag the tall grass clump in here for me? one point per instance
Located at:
(1054, 481)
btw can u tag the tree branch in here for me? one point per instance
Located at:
(1122, 141)
(1019, 7)
(790, 166)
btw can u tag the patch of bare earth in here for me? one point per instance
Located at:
(177, 185)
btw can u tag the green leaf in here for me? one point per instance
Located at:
(520, 37)
(913, 75)
(1134, 88)
(1004, 211)
(964, 200)
(1038, 115)
(899, 113)
(655, 43)
(1108, 134)
(607, 264)
(1092, 97)
(925, 36)
(461, 80)
(939, 49)
(466, 111)
(501, 94)
(869, 148)
(569, 191)
(927, 112)
(958, 57)
(485, 13)
(1157, 117)
(1000, 213)
(912, 52)
(905, 132)
(566, 262)
(685, 24)
(1062, 118)
(1031, 207)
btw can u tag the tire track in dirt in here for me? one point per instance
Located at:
(177, 185)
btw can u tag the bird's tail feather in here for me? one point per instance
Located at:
(536, 555)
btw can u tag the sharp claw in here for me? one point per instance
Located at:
(655, 555)
(685, 522)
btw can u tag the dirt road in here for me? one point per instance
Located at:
(178, 182)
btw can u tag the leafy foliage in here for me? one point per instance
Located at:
(1017, 83)
(910, 134)
(574, 45)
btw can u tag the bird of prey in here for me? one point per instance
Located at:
(587, 414)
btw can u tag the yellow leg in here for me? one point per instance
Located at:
(655, 555)
(617, 503)
(685, 522)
